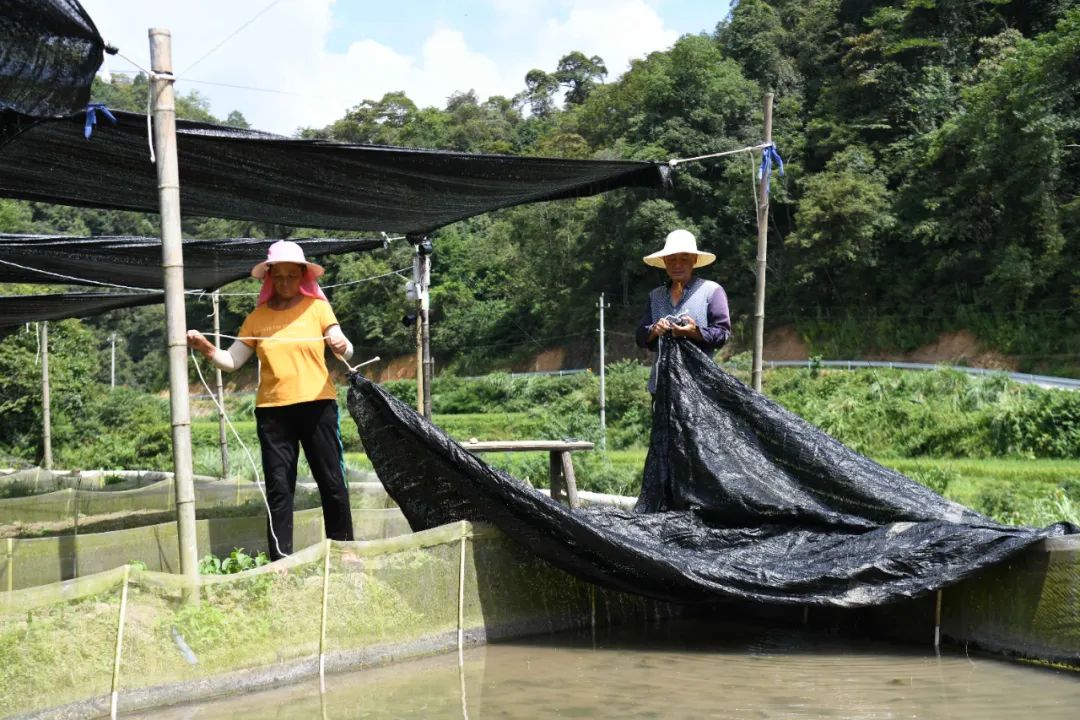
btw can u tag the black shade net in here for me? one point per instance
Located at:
(136, 261)
(243, 174)
(741, 499)
(133, 263)
(15, 310)
(49, 53)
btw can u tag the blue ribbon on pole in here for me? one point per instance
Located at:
(769, 155)
(91, 118)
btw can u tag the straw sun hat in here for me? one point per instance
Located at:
(285, 251)
(680, 241)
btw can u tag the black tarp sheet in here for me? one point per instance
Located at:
(741, 499)
(49, 53)
(136, 261)
(248, 175)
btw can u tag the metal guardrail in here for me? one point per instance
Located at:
(1042, 380)
(1048, 381)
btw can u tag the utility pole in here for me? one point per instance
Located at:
(172, 263)
(422, 281)
(112, 362)
(223, 439)
(762, 246)
(603, 395)
(46, 403)
(413, 292)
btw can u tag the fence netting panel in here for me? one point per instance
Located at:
(57, 644)
(256, 619)
(378, 597)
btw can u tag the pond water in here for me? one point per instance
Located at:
(685, 669)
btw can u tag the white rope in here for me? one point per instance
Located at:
(76, 280)
(367, 279)
(258, 337)
(231, 35)
(753, 183)
(82, 281)
(254, 468)
(258, 480)
(678, 161)
(140, 67)
(150, 74)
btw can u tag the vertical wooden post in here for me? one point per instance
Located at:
(10, 564)
(223, 439)
(418, 334)
(112, 362)
(425, 318)
(115, 696)
(172, 263)
(46, 402)
(937, 620)
(762, 244)
(603, 395)
(422, 271)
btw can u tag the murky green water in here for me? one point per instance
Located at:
(675, 670)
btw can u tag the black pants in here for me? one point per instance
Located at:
(314, 426)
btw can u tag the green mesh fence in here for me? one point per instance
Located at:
(333, 605)
(26, 562)
(95, 498)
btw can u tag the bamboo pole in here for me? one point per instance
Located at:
(937, 620)
(223, 440)
(322, 620)
(172, 263)
(418, 335)
(46, 402)
(425, 328)
(10, 564)
(119, 644)
(762, 245)
(461, 597)
(603, 394)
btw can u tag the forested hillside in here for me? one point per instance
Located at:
(932, 173)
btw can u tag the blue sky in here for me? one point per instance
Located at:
(405, 25)
(301, 63)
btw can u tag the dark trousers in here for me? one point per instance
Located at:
(282, 430)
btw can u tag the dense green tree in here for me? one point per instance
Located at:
(579, 75)
(932, 183)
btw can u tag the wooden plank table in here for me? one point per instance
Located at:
(560, 467)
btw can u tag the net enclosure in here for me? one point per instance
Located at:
(250, 175)
(741, 499)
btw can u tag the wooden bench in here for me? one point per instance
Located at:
(563, 482)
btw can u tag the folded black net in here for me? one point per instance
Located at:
(740, 499)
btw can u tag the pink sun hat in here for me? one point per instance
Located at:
(286, 251)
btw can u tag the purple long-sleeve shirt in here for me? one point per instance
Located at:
(715, 334)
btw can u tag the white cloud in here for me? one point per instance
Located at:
(284, 49)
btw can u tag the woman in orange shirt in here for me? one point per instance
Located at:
(296, 404)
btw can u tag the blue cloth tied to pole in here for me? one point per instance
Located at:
(769, 155)
(91, 118)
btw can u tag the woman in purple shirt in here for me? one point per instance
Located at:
(684, 306)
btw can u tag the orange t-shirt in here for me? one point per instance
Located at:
(291, 371)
